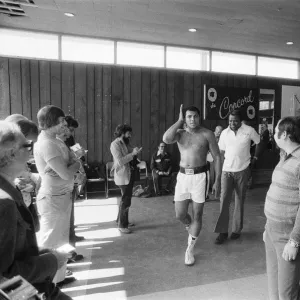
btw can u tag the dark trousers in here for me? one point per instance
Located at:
(72, 220)
(283, 276)
(45, 270)
(157, 179)
(237, 182)
(125, 203)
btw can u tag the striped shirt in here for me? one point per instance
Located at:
(282, 200)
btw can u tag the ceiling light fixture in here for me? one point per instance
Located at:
(290, 43)
(69, 14)
(192, 30)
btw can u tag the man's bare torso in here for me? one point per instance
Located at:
(193, 147)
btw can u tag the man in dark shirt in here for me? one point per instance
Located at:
(161, 166)
(72, 125)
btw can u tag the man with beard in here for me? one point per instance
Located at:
(193, 142)
(234, 145)
(123, 154)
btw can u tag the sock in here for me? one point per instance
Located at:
(192, 239)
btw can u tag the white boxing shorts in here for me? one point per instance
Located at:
(192, 186)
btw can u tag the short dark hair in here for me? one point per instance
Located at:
(71, 122)
(236, 113)
(48, 116)
(122, 129)
(191, 108)
(28, 127)
(292, 127)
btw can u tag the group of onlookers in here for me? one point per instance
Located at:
(230, 154)
(35, 234)
(282, 230)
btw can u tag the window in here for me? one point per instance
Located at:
(275, 67)
(87, 50)
(136, 54)
(28, 44)
(264, 105)
(233, 63)
(188, 59)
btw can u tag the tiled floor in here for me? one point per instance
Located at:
(149, 263)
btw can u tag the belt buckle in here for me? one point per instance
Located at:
(189, 171)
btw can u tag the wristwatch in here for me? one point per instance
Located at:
(293, 243)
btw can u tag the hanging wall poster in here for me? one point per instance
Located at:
(220, 101)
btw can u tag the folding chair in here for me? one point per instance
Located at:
(109, 179)
(143, 171)
(95, 178)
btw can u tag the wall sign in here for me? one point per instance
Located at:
(220, 101)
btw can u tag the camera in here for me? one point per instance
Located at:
(17, 288)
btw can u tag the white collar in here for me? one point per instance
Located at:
(160, 154)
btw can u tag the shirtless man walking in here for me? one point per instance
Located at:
(192, 181)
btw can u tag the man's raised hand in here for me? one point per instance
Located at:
(181, 118)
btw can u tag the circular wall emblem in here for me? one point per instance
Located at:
(212, 95)
(251, 112)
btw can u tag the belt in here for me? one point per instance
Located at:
(192, 171)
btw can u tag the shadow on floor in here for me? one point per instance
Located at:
(151, 259)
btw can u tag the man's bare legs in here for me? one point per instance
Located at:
(195, 225)
(181, 210)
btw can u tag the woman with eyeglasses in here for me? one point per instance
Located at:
(27, 182)
(57, 172)
(18, 246)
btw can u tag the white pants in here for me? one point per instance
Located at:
(55, 213)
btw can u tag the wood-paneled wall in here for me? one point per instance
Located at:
(103, 96)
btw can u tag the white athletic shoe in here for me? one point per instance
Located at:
(189, 259)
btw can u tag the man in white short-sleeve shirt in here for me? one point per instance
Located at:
(234, 145)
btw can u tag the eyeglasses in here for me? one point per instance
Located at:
(28, 145)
